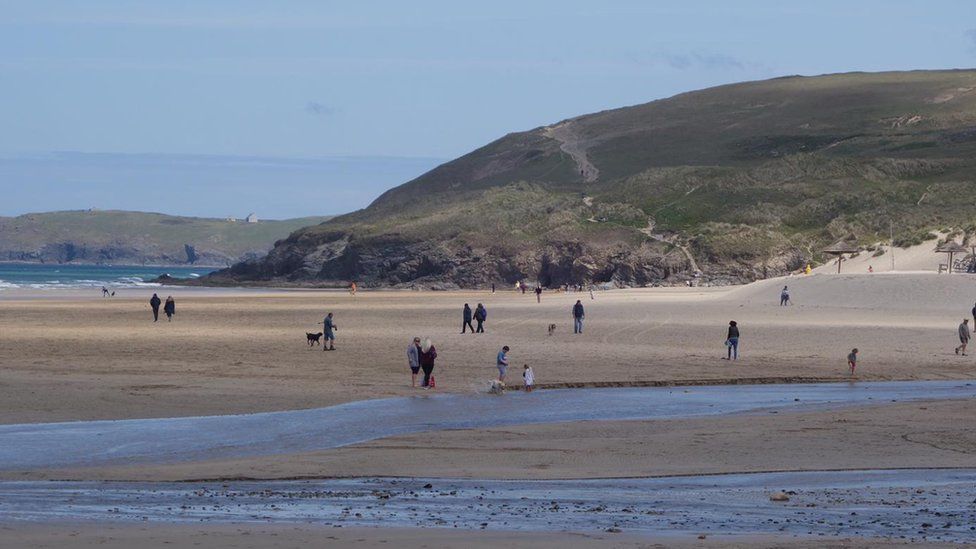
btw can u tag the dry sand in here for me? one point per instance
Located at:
(92, 358)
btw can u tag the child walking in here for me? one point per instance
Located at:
(529, 377)
(852, 360)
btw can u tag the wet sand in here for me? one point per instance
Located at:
(94, 358)
(913, 505)
(257, 536)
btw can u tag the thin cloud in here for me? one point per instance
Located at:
(693, 60)
(318, 109)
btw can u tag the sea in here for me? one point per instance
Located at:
(68, 276)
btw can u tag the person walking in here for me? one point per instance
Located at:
(329, 328)
(501, 362)
(466, 319)
(155, 302)
(784, 296)
(578, 315)
(732, 341)
(427, 356)
(852, 360)
(492, 287)
(538, 294)
(964, 335)
(413, 359)
(170, 308)
(480, 315)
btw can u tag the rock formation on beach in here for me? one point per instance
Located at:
(738, 182)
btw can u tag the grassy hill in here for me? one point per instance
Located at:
(138, 237)
(735, 180)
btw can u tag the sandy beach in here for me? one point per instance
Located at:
(81, 357)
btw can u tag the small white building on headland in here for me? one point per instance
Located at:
(252, 218)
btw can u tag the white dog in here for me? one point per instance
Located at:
(496, 387)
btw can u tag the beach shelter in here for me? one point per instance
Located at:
(951, 248)
(840, 248)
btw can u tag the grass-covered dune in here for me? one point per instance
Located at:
(736, 181)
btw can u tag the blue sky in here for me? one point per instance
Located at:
(403, 84)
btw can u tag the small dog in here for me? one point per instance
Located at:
(552, 329)
(496, 387)
(313, 339)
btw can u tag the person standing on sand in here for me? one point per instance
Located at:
(974, 315)
(732, 341)
(964, 335)
(529, 376)
(427, 356)
(466, 319)
(413, 359)
(329, 328)
(480, 316)
(578, 315)
(784, 296)
(501, 362)
(492, 287)
(170, 308)
(538, 294)
(155, 302)
(852, 360)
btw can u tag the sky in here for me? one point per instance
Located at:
(291, 108)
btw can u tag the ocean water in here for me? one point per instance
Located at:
(50, 276)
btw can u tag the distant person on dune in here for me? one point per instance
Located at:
(352, 288)
(808, 270)
(732, 341)
(413, 360)
(852, 360)
(155, 302)
(480, 316)
(170, 308)
(466, 316)
(427, 356)
(784, 296)
(538, 294)
(964, 335)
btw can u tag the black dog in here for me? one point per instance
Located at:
(552, 328)
(313, 339)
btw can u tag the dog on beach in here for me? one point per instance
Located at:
(496, 387)
(552, 328)
(313, 339)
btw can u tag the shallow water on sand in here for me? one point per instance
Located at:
(933, 505)
(170, 440)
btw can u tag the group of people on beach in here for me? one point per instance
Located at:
(169, 308)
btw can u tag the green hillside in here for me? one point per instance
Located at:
(735, 180)
(95, 236)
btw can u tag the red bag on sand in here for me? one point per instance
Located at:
(433, 384)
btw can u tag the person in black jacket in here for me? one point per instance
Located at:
(154, 303)
(466, 319)
(480, 315)
(170, 308)
(578, 315)
(732, 341)
(427, 356)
